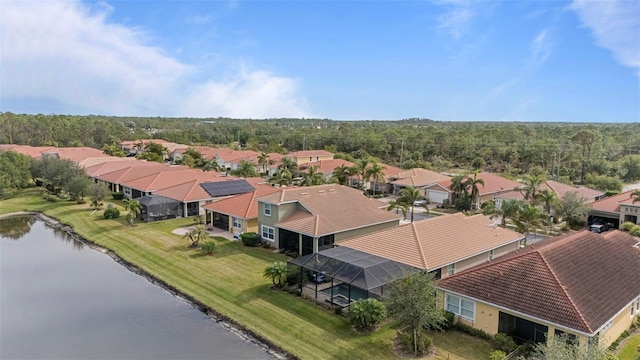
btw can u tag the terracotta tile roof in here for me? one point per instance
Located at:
(135, 170)
(562, 189)
(493, 183)
(433, 243)
(170, 177)
(326, 166)
(243, 206)
(90, 162)
(580, 280)
(513, 195)
(188, 191)
(612, 203)
(75, 154)
(107, 167)
(307, 153)
(33, 151)
(418, 177)
(391, 171)
(334, 208)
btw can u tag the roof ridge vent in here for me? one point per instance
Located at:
(321, 191)
(304, 193)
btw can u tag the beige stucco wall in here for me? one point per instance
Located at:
(621, 323)
(250, 225)
(305, 159)
(481, 258)
(365, 230)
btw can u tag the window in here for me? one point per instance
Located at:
(451, 269)
(490, 255)
(268, 233)
(607, 326)
(459, 306)
(267, 209)
(237, 223)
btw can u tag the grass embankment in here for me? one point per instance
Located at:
(230, 282)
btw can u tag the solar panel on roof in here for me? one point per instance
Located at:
(224, 188)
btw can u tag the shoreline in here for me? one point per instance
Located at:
(229, 324)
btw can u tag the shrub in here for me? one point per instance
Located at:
(208, 247)
(51, 198)
(81, 201)
(117, 195)
(337, 310)
(497, 355)
(627, 226)
(504, 342)
(250, 239)
(635, 231)
(423, 344)
(366, 313)
(472, 331)
(449, 319)
(111, 213)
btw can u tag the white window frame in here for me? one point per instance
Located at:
(460, 306)
(451, 269)
(236, 223)
(269, 231)
(267, 209)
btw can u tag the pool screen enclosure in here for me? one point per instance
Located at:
(342, 272)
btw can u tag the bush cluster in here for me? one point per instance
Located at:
(424, 342)
(635, 231)
(111, 213)
(366, 313)
(504, 343)
(251, 239)
(627, 226)
(117, 195)
(208, 247)
(497, 355)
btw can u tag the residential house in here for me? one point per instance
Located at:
(494, 185)
(309, 219)
(304, 156)
(133, 147)
(615, 210)
(238, 214)
(381, 187)
(422, 179)
(326, 166)
(582, 284)
(444, 245)
(560, 189)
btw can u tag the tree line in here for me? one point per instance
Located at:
(599, 155)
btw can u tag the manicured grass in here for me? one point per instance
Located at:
(629, 350)
(458, 345)
(231, 282)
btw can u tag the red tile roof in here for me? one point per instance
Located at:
(308, 153)
(433, 243)
(612, 203)
(418, 177)
(243, 206)
(326, 166)
(562, 189)
(168, 178)
(493, 183)
(579, 281)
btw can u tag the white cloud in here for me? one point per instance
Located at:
(456, 21)
(615, 25)
(540, 48)
(68, 53)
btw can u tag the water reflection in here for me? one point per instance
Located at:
(57, 303)
(63, 235)
(16, 227)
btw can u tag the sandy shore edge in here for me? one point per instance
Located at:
(228, 323)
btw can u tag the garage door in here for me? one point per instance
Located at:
(437, 197)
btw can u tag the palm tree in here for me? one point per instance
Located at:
(282, 177)
(398, 205)
(134, 208)
(208, 165)
(527, 218)
(472, 183)
(197, 234)
(245, 169)
(263, 160)
(531, 187)
(409, 196)
(341, 174)
(636, 196)
(313, 177)
(288, 164)
(376, 173)
(509, 209)
(360, 168)
(277, 272)
(458, 186)
(548, 197)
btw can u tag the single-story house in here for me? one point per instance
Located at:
(615, 210)
(309, 219)
(494, 185)
(583, 284)
(443, 245)
(237, 214)
(326, 166)
(419, 178)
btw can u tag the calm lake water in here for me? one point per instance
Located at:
(60, 299)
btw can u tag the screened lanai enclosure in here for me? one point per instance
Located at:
(156, 207)
(341, 275)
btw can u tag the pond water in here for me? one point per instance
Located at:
(60, 299)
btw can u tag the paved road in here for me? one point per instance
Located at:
(630, 187)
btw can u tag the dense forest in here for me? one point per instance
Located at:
(571, 152)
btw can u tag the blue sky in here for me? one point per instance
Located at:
(344, 60)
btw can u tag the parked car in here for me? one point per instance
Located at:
(598, 228)
(421, 202)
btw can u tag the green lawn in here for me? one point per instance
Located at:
(231, 282)
(629, 350)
